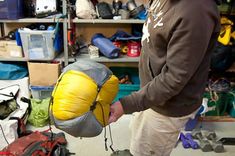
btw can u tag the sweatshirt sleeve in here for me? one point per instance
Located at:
(185, 50)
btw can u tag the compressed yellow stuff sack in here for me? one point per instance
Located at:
(105, 97)
(73, 95)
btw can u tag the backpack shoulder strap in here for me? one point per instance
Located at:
(9, 92)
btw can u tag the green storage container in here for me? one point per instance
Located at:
(231, 106)
(219, 107)
(126, 89)
(231, 109)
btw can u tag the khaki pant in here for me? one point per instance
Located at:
(153, 134)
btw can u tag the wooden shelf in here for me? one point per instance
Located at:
(60, 58)
(122, 61)
(52, 20)
(122, 58)
(122, 21)
(31, 20)
(13, 59)
(227, 14)
(216, 119)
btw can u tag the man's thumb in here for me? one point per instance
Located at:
(112, 118)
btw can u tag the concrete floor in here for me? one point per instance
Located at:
(121, 135)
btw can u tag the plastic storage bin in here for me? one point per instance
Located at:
(217, 108)
(126, 89)
(41, 92)
(11, 9)
(40, 44)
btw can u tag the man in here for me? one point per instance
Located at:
(178, 39)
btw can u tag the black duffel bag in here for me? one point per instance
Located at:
(221, 58)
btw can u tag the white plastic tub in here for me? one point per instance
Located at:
(38, 44)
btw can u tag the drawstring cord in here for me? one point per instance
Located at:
(105, 132)
(111, 139)
(4, 136)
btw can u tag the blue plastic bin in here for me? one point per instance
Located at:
(126, 89)
(11, 9)
(41, 92)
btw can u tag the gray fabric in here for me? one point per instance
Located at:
(99, 72)
(83, 126)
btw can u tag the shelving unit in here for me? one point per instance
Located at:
(64, 56)
(24, 21)
(65, 32)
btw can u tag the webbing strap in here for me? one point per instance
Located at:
(93, 106)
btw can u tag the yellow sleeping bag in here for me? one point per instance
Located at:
(82, 96)
(76, 92)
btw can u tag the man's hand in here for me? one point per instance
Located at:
(116, 111)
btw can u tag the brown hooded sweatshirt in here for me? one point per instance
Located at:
(177, 42)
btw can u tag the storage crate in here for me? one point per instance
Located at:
(41, 92)
(231, 106)
(11, 9)
(126, 89)
(219, 107)
(40, 44)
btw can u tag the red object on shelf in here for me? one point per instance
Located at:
(117, 44)
(133, 49)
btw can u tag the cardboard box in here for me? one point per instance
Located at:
(13, 49)
(43, 74)
(3, 50)
(10, 49)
